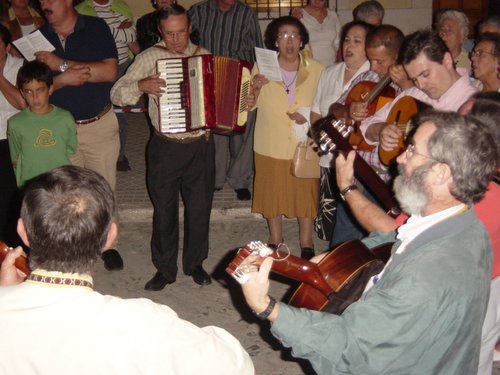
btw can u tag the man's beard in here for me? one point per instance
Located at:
(411, 191)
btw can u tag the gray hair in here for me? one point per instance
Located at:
(466, 145)
(366, 9)
(458, 16)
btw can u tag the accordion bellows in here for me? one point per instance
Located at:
(203, 92)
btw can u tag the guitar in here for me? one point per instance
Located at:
(338, 280)
(375, 95)
(21, 263)
(329, 136)
(401, 115)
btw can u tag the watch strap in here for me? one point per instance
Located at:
(269, 309)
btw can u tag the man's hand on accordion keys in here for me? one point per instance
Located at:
(152, 85)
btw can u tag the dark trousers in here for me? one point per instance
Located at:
(239, 149)
(189, 169)
(346, 226)
(10, 198)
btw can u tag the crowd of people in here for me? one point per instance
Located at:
(435, 306)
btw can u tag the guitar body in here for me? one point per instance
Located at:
(359, 93)
(400, 115)
(332, 285)
(347, 269)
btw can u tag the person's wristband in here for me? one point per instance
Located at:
(269, 309)
(347, 190)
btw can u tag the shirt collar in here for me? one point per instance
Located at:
(60, 279)
(416, 224)
(79, 24)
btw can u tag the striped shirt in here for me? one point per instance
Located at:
(122, 36)
(126, 90)
(233, 33)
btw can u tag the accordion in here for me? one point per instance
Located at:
(203, 92)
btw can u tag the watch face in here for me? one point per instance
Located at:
(63, 66)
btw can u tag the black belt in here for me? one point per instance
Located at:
(95, 118)
(184, 140)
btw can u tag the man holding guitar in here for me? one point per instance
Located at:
(382, 49)
(430, 66)
(423, 314)
(372, 218)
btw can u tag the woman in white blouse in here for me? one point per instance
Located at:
(333, 82)
(323, 26)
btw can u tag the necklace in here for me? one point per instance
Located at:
(287, 87)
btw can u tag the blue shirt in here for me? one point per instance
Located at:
(91, 41)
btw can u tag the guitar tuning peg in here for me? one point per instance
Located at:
(324, 146)
(332, 148)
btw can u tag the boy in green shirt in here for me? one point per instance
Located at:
(42, 136)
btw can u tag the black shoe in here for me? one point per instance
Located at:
(123, 165)
(158, 282)
(112, 260)
(200, 276)
(243, 194)
(306, 253)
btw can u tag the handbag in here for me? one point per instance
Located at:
(305, 163)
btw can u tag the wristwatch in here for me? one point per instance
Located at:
(269, 309)
(64, 66)
(347, 190)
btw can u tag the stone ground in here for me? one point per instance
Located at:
(220, 304)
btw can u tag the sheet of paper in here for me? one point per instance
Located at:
(32, 43)
(267, 61)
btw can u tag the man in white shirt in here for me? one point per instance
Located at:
(66, 219)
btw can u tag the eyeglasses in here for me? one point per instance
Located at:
(410, 151)
(480, 53)
(286, 36)
(174, 35)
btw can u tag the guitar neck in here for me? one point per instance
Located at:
(285, 265)
(374, 93)
(362, 170)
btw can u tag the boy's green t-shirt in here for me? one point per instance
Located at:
(39, 143)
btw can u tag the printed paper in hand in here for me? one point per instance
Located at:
(32, 43)
(267, 62)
